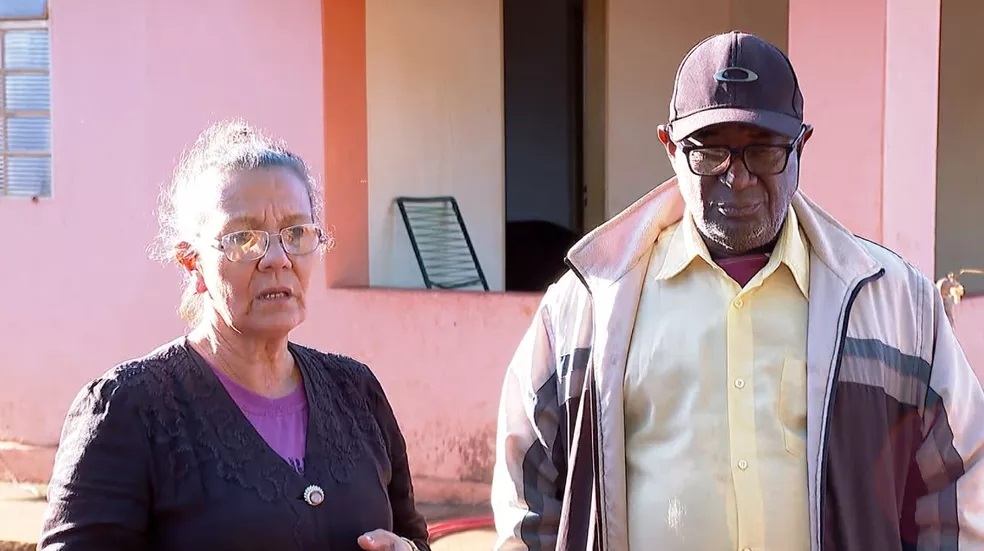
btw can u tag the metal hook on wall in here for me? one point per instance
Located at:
(952, 290)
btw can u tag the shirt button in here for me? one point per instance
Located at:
(742, 464)
(739, 303)
(739, 383)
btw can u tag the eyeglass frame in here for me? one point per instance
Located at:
(325, 239)
(686, 149)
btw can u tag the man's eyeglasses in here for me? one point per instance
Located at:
(249, 245)
(759, 159)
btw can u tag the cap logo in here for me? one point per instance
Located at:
(735, 74)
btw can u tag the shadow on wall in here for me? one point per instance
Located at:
(535, 251)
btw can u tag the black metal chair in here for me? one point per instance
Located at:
(440, 241)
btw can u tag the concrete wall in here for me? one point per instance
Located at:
(82, 296)
(435, 126)
(883, 87)
(133, 82)
(969, 321)
(85, 296)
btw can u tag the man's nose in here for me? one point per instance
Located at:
(737, 177)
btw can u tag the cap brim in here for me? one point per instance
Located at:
(769, 120)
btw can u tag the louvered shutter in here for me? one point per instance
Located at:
(25, 92)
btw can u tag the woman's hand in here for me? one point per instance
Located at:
(381, 540)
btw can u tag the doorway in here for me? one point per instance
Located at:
(543, 80)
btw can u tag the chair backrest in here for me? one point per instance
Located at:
(440, 241)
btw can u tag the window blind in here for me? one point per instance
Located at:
(25, 100)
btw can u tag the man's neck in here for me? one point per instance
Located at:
(722, 254)
(742, 266)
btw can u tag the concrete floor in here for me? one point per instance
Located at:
(474, 540)
(21, 508)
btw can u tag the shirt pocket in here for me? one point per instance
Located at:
(792, 406)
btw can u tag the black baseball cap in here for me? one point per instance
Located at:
(735, 77)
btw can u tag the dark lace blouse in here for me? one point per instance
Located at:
(156, 455)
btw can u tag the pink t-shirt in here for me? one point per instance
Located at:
(282, 422)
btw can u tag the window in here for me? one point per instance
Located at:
(25, 99)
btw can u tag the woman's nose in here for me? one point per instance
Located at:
(276, 256)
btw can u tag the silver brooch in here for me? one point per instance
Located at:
(314, 495)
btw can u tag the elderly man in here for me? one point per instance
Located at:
(725, 366)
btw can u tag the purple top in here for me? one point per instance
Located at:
(282, 422)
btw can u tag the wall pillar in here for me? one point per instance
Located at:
(346, 180)
(870, 81)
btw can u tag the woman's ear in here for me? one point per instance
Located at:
(186, 256)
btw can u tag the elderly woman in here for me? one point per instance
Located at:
(233, 437)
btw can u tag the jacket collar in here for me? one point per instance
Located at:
(685, 246)
(609, 251)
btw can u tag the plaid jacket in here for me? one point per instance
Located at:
(895, 415)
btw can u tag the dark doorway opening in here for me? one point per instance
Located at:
(543, 44)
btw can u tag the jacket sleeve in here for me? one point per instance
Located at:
(99, 494)
(950, 460)
(528, 478)
(407, 521)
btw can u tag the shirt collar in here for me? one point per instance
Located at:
(686, 245)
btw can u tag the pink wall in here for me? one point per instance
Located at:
(133, 82)
(843, 89)
(874, 96)
(441, 357)
(969, 322)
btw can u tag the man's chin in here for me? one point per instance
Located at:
(733, 241)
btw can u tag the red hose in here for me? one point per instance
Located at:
(444, 528)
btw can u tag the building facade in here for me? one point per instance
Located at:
(520, 112)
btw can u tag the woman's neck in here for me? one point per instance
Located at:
(263, 366)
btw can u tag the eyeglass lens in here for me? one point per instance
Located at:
(759, 159)
(252, 244)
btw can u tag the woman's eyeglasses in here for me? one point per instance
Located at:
(249, 245)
